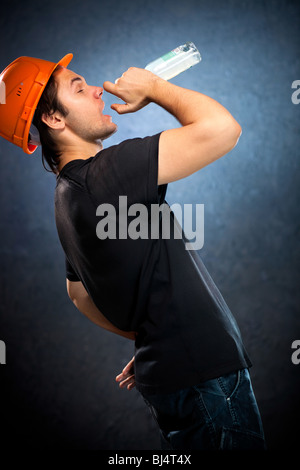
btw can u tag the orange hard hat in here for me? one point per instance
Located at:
(24, 82)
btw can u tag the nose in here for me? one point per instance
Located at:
(98, 92)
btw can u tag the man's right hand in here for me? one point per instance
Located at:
(133, 87)
(208, 130)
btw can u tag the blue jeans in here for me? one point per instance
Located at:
(219, 414)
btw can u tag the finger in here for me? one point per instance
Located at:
(128, 369)
(131, 386)
(123, 376)
(110, 87)
(125, 383)
(121, 108)
(129, 365)
(120, 377)
(127, 379)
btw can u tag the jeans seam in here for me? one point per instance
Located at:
(228, 396)
(205, 413)
(242, 432)
(223, 387)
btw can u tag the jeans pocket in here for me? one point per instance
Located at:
(237, 439)
(229, 384)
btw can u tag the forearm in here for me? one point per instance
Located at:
(207, 132)
(85, 305)
(138, 87)
(188, 106)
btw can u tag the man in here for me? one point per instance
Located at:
(190, 364)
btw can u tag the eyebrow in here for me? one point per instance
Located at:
(75, 79)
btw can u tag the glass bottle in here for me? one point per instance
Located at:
(176, 61)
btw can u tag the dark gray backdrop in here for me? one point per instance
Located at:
(57, 388)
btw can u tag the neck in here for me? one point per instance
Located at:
(78, 151)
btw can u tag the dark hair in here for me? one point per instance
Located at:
(49, 104)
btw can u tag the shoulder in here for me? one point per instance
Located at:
(73, 175)
(130, 145)
(128, 154)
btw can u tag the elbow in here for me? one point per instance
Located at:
(225, 133)
(236, 133)
(229, 134)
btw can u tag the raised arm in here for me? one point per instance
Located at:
(208, 130)
(85, 305)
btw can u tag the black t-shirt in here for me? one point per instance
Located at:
(154, 285)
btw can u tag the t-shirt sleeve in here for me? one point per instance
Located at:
(70, 273)
(130, 168)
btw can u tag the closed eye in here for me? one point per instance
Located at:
(76, 83)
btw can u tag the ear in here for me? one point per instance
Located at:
(54, 120)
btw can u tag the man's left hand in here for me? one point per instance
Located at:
(127, 377)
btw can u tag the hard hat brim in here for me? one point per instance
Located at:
(27, 147)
